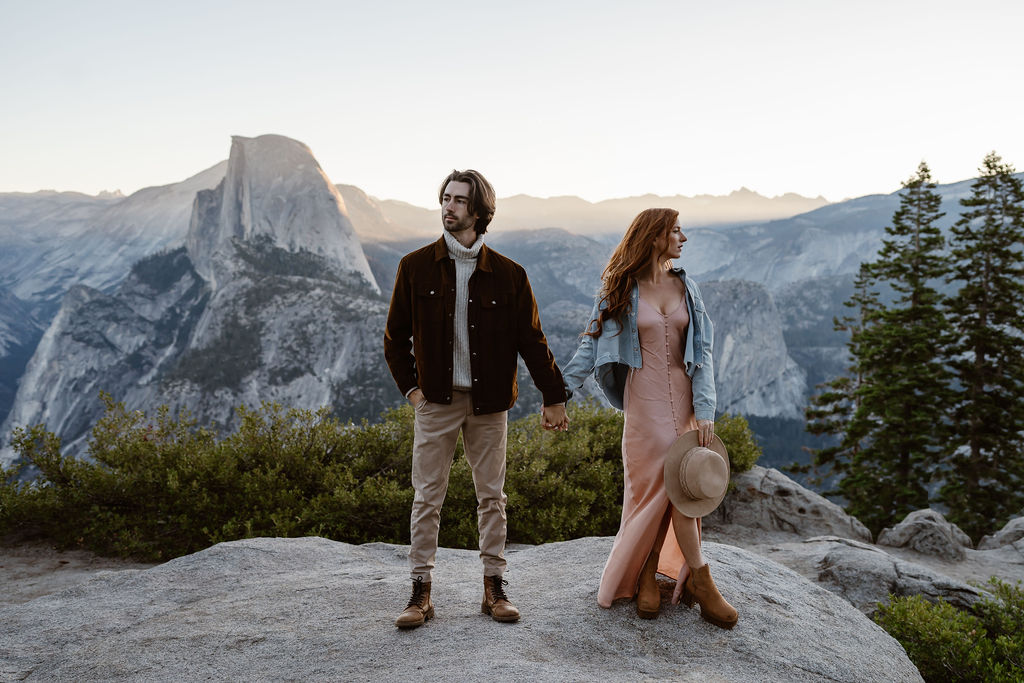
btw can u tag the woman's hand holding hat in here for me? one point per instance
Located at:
(706, 429)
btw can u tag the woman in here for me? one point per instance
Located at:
(649, 345)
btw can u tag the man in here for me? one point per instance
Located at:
(460, 314)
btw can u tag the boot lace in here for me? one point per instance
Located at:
(497, 588)
(419, 595)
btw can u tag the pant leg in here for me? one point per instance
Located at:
(484, 437)
(437, 430)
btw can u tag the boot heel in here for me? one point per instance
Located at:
(688, 598)
(484, 609)
(720, 623)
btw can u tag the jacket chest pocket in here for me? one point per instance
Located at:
(496, 311)
(429, 305)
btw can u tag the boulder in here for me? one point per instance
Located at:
(927, 531)
(866, 575)
(769, 500)
(313, 609)
(1011, 534)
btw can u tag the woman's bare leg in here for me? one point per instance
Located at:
(688, 538)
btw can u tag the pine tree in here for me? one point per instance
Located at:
(831, 410)
(898, 390)
(985, 484)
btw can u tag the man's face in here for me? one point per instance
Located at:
(455, 215)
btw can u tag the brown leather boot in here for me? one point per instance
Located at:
(648, 595)
(419, 609)
(495, 602)
(699, 587)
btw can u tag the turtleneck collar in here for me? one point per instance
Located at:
(456, 250)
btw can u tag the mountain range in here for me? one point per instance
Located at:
(259, 279)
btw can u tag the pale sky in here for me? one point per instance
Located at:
(596, 99)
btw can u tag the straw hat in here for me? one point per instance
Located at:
(696, 478)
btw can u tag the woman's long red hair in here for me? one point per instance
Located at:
(632, 257)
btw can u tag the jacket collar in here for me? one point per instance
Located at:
(483, 261)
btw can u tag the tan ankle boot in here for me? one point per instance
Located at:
(495, 602)
(648, 595)
(699, 587)
(419, 609)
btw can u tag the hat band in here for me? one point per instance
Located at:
(682, 477)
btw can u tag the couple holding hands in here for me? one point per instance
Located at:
(462, 313)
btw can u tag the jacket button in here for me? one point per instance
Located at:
(493, 302)
(475, 379)
(470, 301)
(431, 291)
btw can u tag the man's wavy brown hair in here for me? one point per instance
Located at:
(481, 196)
(632, 257)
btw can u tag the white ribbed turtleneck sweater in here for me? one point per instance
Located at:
(465, 264)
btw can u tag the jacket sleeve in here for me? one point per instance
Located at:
(705, 397)
(398, 351)
(582, 363)
(533, 346)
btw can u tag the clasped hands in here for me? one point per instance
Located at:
(554, 417)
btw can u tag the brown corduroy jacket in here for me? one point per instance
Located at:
(419, 340)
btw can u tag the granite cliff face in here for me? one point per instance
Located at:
(260, 306)
(273, 194)
(20, 332)
(754, 373)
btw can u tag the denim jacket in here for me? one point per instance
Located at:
(610, 356)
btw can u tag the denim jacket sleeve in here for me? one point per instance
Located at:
(703, 378)
(583, 361)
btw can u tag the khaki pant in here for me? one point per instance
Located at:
(437, 430)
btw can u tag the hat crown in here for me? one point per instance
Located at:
(703, 474)
(696, 477)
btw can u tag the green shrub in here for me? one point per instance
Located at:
(159, 486)
(947, 644)
(741, 443)
(564, 485)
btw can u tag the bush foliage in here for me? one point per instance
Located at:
(949, 645)
(156, 487)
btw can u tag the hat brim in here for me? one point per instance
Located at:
(686, 505)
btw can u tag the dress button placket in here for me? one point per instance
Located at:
(668, 366)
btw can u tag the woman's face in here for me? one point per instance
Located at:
(670, 246)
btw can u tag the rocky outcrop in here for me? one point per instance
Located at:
(312, 609)
(866, 575)
(927, 531)
(768, 500)
(1012, 534)
(772, 515)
